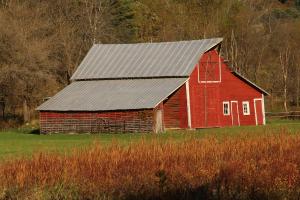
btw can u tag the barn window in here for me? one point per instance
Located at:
(226, 110)
(246, 108)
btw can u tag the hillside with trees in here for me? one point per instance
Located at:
(42, 42)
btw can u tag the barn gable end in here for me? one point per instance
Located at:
(213, 83)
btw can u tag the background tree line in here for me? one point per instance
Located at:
(43, 41)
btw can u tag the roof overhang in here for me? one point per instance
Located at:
(113, 95)
(250, 83)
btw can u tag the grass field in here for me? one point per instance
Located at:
(251, 163)
(16, 143)
(254, 162)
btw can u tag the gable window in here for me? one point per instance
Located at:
(246, 108)
(226, 109)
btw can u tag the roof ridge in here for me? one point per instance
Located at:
(130, 78)
(167, 59)
(179, 41)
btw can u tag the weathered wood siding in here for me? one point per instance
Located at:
(96, 122)
(175, 110)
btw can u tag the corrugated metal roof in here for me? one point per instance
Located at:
(104, 95)
(166, 59)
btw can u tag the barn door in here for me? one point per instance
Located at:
(159, 122)
(259, 118)
(235, 113)
(207, 111)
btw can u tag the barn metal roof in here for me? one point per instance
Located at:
(103, 95)
(166, 59)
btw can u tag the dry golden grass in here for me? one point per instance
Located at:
(264, 167)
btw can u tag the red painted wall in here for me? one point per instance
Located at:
(97, 122)
(175, 109)
(207, 97)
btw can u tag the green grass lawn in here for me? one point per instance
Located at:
(18, 143)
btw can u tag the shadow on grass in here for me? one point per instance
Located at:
(35, 132)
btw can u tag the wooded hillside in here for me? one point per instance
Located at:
(42, 42)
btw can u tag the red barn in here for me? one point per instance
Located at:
(150, 87)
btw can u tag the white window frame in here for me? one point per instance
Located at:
(220, 72)
(228, 108)
(248, 108)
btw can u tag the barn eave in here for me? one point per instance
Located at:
(112, 95)
(241, 77)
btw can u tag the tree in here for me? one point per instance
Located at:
(284, 56)
(122, 14)
(297, 3)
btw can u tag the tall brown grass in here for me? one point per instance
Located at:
(265, 167)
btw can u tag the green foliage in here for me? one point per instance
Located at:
(123, 14)
(297, 3)
(283, 1)
(228, 22)
(286, 13)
